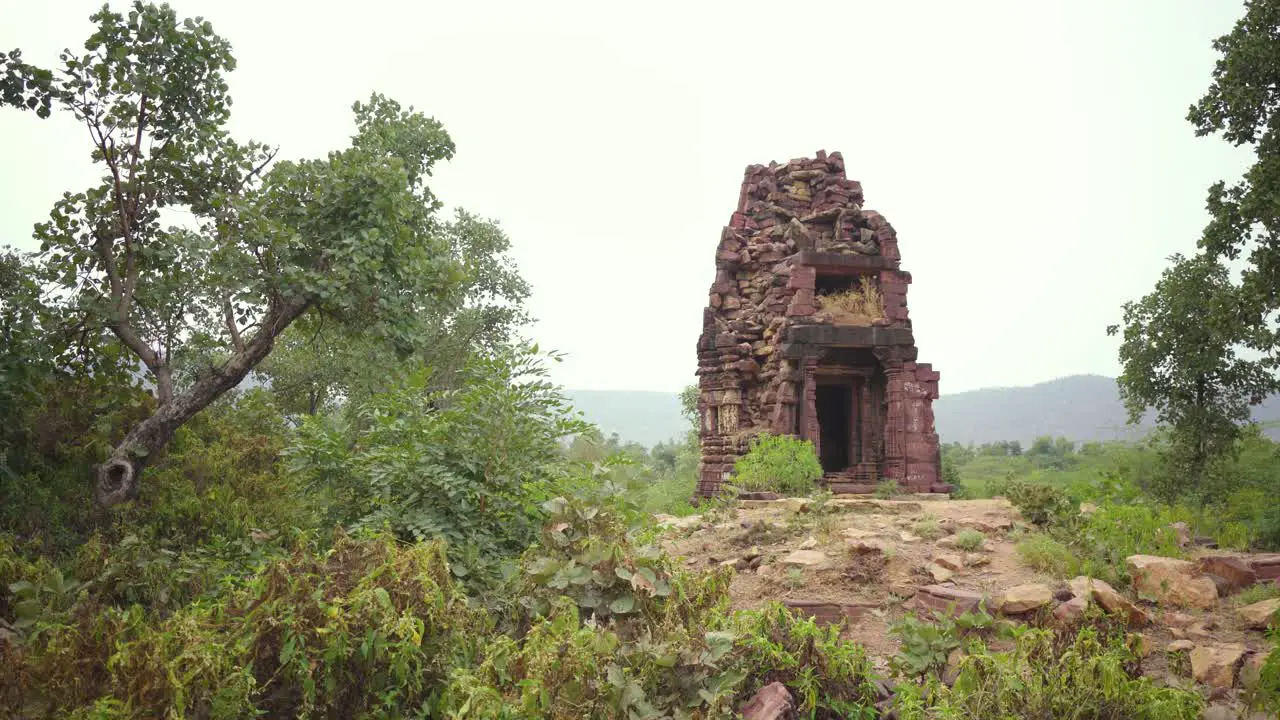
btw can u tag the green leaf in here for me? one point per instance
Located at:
(623, 604)
(21, 587)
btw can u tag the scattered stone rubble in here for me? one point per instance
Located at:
(1181, 607)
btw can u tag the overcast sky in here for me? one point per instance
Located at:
(1032, 155)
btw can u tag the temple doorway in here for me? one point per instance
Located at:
(834, 405)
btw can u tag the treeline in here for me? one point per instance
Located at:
(1240, 491)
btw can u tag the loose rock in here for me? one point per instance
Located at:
(1172, 582)
(797, 505)
(1236, 572)
(950, 562)
(946, 598)
(771, 702)
(1216, 666)
(1260, 615)
(1024, 598)
(938, 573)
(805, 557)
(1251, 669)
(1071, 612)
(1110, 600)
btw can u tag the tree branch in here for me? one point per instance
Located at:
(229, 317)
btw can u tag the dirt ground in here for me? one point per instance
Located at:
(909, 537)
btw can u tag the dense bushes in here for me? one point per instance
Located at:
(470, 466)
(1041, 680)
(1238, 514)
(374, 627)
(367, 627)
(600, 624)
(780, 463)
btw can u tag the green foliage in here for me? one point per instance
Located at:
(780, 463)
(1180, 357)
(352, 237)
(1114, 532)
(1043, 680)
(316, 363)
(970, 540)
(589, 554)
(1240, 105)
(470, 465)
(1266, 694)
(887, 489)
(927, 644)
(1049, 555)
(369, 627)
(1257, 593)
(1098, 544)
(1041, 504)
(927, 527)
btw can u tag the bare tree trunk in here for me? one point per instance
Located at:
(118, 477)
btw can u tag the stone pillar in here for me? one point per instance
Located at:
(923, 467)
(866, 420)
(809, 404)
(854, 438)
(895, 451)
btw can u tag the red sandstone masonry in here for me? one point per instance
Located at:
(754, 376)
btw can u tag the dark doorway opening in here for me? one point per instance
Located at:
(829, 284)
(834, 403)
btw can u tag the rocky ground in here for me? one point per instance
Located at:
(865, 563)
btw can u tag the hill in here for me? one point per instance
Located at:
(1080, 407)
(643, 416)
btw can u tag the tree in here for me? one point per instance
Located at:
(351, 237)
(1241, 104)
(316, 363)
(1179, 356)
(689, 404)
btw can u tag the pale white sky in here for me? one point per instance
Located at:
(1032, 155)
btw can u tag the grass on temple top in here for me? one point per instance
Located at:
(860, 305)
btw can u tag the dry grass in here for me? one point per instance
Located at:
(860, 305)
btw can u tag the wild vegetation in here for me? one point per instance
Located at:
(778, 463)
(860, 305)
(406, 519)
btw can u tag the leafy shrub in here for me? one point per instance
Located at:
(470, 466)
(1041, 504)
(1257, 593)
(887, 488)
(220, 480)
(927, 527)
(1047, 554)
(1040, 681)
(780, 463)
(1265, 695)
(970, 540)
(590, 554)
(1114, 532)
(927, 644)
(370, 627)
(951, 474)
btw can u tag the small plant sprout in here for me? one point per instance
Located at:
(927, 527)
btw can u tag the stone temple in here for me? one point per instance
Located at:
(806, 333)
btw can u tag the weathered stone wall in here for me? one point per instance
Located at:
(794, 223)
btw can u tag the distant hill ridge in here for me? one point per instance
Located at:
(1080, 407)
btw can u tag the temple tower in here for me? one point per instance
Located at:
(806, 333)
